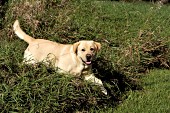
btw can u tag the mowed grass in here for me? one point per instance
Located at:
(134, 38)
(153, 99)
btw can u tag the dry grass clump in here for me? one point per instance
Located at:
(29, 11)
(145, 52)
(41, 16)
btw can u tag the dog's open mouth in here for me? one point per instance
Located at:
(88, 62)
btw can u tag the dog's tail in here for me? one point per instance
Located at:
(20, 33)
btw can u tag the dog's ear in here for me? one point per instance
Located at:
(75, 46)
(98, 45)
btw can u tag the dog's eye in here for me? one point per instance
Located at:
(83, 50)
(91, 49)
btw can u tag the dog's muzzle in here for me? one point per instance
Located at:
(88, 59)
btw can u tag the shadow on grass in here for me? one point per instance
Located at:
(3, 8)
(116, 83)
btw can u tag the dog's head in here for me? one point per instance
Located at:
(86, 50)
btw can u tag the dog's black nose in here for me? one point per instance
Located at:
(88, 56)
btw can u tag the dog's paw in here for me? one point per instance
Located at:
(16, 25)
(104, 90)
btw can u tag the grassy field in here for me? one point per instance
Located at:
(135, 53)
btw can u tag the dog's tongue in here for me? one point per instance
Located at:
(88, 62)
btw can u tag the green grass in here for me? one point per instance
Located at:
(153, 99)
(134, 38)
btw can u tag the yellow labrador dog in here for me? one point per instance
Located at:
(71, 58)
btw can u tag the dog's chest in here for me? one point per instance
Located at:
(76, 70)
(80, 70)
(86, 70)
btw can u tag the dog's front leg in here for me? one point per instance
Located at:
(96, 81)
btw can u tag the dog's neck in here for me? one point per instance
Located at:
(87, 66)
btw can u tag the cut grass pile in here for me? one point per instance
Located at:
(134, 39)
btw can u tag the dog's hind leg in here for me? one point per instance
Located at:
(29, 58)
